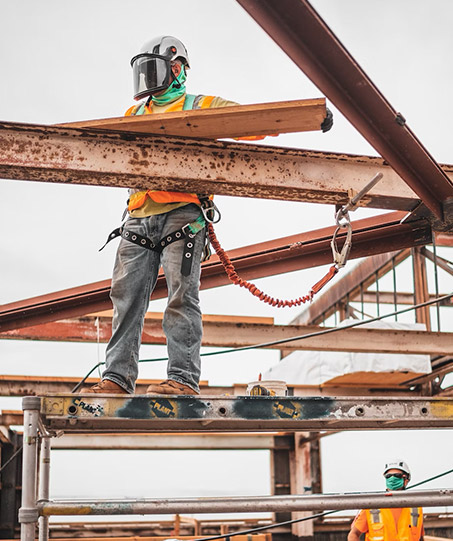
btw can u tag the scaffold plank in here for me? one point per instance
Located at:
(81, 413)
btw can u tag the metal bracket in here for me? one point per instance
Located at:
(28, 515)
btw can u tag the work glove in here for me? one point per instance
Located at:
(327, 123)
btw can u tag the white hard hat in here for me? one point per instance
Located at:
(398, 465)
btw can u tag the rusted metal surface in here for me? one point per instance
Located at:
(371, 236)
(226, 334)
(86, 413)
(298, 29)
(98, 158)
(421, 293)
(444, 239)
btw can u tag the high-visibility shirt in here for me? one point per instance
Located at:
(144, 203)
(396, 524)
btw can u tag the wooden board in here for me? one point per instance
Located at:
(223, 122)
(216, 318)
(370, 379)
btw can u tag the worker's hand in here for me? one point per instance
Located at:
(327, 123)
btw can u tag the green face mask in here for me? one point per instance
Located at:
(172, 93)
(394, 483)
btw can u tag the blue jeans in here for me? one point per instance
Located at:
(134, 278)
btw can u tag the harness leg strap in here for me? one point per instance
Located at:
(189, 247)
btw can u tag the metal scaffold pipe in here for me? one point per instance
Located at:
(249, 504)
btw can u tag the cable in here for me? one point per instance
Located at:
(286, 340)
(431, 479)
(82, 381)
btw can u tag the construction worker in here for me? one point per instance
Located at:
(163, 228)
(159, 73)
(395, 524)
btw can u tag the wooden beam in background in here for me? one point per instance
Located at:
(233, 335)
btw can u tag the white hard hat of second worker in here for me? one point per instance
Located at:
(398, 465)
(152, 66)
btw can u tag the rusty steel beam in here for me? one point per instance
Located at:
(371, 236)
(444, 239)
(99, 158)
(421, 293)
(299, 30)
(234, 335)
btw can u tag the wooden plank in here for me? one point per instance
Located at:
(224, 122)
(373, 379)
(217, 318)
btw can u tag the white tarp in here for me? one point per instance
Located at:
(317, 367)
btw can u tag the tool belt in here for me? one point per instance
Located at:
(186, 233)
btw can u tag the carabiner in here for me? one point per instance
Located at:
(209, 210)
(340, 257)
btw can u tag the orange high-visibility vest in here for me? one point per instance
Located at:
(382, 527)
(137, 199)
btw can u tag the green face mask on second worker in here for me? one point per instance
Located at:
(394, 483)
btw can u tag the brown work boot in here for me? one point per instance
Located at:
(170, 387)
(107, 387)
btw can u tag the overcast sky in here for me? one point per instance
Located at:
(68, 61)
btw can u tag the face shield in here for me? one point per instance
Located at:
(151, 73)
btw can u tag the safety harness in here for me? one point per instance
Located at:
(188, 231)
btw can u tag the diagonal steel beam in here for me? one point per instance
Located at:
(371, 236)
(298, 29)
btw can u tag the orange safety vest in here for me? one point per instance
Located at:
(137, 199)
(382, 527)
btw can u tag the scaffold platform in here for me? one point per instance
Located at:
(91, 412)
(47, 416)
